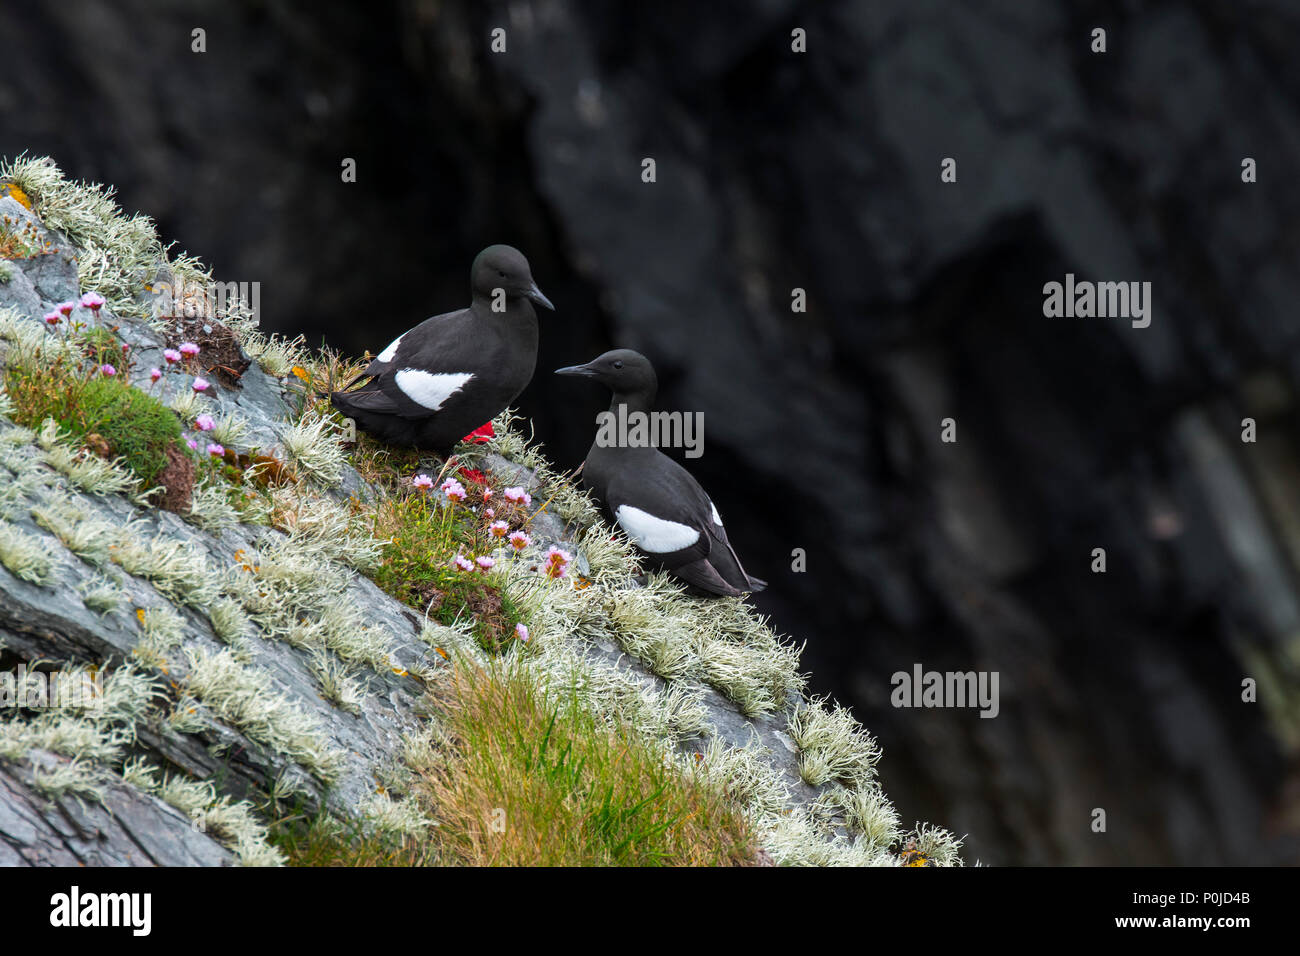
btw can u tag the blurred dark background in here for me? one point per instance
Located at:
(821, 171)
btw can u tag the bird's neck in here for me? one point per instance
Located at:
(518, 312)
(610, 445)
(633, 402)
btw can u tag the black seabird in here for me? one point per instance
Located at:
(661, 508)
(452, 373)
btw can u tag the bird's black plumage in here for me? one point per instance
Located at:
(453, 372)
(661, 508)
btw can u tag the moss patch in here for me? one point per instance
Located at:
(104, 413)
(136, 427)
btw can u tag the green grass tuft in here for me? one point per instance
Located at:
(529, 780)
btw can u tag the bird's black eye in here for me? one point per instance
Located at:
(618, 365)
(501, 274)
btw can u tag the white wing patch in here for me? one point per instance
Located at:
(717, 518)
(430, 389)
(388, 354)
(656, 535)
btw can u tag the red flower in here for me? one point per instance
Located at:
(472, 474)
(480, 435)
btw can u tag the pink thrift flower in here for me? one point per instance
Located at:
(200, 384)
(521, 632)
(52, 318)
(518, 495)
(463, 563)
(484, 563)
(487, 493)
(423, 482)
(498, 529)
(155, 374)
(520, 540)
(205, 423)
(65, 307)
(172, 356)
(453, 489)
(107, 369)
(93, 301)
(215, 450)
(490, 512)
(194, 446)
(189, 349)
(556, 562)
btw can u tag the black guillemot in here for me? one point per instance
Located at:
(654, 500)
(450, 374)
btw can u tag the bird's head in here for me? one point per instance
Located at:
(504, 267)
(622, 371)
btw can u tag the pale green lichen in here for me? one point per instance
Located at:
(234, 823)
(395, 817)
(231, 430)
(26, 556)
(102, 595)
(210, 507)
(230, 623)
(75, 777)
(81, 532)
(187, 404)
(117, 253)
(175, 568)
(312, 447)
(162, 631)
(247, 698)
(746, 774)
(338, 684)
(328, 529)
(832, 745)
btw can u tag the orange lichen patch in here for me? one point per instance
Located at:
(911, 856)
(11, 189)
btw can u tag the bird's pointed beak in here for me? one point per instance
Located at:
(581, 371)
(535, 294)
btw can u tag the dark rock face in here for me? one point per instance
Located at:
(125, 828)
(820, 171)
